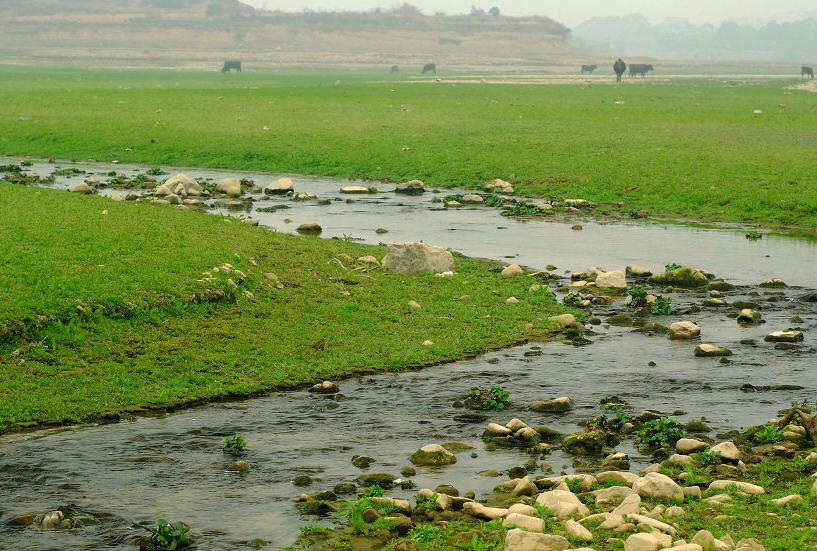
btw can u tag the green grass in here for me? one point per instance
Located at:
(688, 149)
(148, 335)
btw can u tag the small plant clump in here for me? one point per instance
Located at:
(165, 536)
(661, 307)
(768, 434)
(524, 209)
(638, 297)
(234, 444)
(496, 397)
(660, 433)
(707, 457)
(671, 266)
(352, 511)
(572, 299)
(753, 235)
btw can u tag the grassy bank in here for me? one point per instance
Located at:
(674, 148)
(106, 312)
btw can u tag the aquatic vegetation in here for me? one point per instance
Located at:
(234, 443)
(496, 397)
(768, 434)
(659, 433)
(753, 235)
(166, 536)
(638, 297)
(661, 306)
(707, 457)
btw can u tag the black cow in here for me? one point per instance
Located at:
(429, 68)
(640, 69)
(806, 72)
(230, 65)
(394, 69)
(619, 67)
(589, 69)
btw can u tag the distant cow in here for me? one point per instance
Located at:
(429, 68)
(806, 72)
(589, 69)
(640, 69)
(394, 69)
(619, 67)
(230, 65)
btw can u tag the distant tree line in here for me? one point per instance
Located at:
(680, 39)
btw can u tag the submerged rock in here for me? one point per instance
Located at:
(433, 455)
(708, 350)
(681, 277)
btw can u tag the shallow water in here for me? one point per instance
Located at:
(172, 466)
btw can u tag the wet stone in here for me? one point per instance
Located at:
(362, 461)
(789, 335)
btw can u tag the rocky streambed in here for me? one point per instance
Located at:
(103, 479)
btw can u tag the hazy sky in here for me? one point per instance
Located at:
(569, 12)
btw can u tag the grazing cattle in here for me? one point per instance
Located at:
(640, 69)
(394, 69)
(230, 65)
(806, 72)
(589, 69)
(619, 67)
(429, 68)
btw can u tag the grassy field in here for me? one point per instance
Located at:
(101, 316)
(685, 147)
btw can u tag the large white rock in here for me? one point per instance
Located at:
(481, 511)
(410, 258)
(229, 186)
(728, 450)
(658, 486)
(684, 330)
(630, 505)
(577, 531)
(641, 542)
(690, 445)
(611, 497)
(624, 477)
(562, 504)
(281, 186)
(657, 524)
(520, 540)
(179, 184)
(531, 524)
(745, 487)
(611, 280)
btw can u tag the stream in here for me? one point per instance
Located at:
(171, 465)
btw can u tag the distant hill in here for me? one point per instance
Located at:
(203, 33)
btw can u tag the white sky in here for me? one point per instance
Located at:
(571, 12)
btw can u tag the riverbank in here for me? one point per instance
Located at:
(717, 148)
(114, 307)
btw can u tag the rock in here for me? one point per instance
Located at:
(620, 320)
(618, 476)
(789, 335)
(82, 187)
(326, 387)
(680, 277)
(709, 350)
(652, 523)
(577, 531)
(611, 280)
(687, 547)
(521, 540)
(556, 405)
(310, 227)
(658, 486)
(180, 184)
(433, 455)
(728, 450)
(362, 461)
(304, 196)
(479, 510)
(680, 460)
(610, 498)
(705, 540)
(692, 491)
(354, 189)
(229, 186)
(745, 487)
(525, 487)
(563, 319)
(472, 199)
(641, 542)
(498, 186)
(720, 285)
(409, 258)
(630, 505)
(750, 544)
(414, 187)
(529, 523)
(774, 283)
(749, 316)
(562, 504)
(584, 443)
(281, 186)
(637, 272)
(690, 445)
(786, 499)
(684, 330)
(512, 269)
(239, 466)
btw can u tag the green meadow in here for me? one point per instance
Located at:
(692, 148)
(101, 316)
